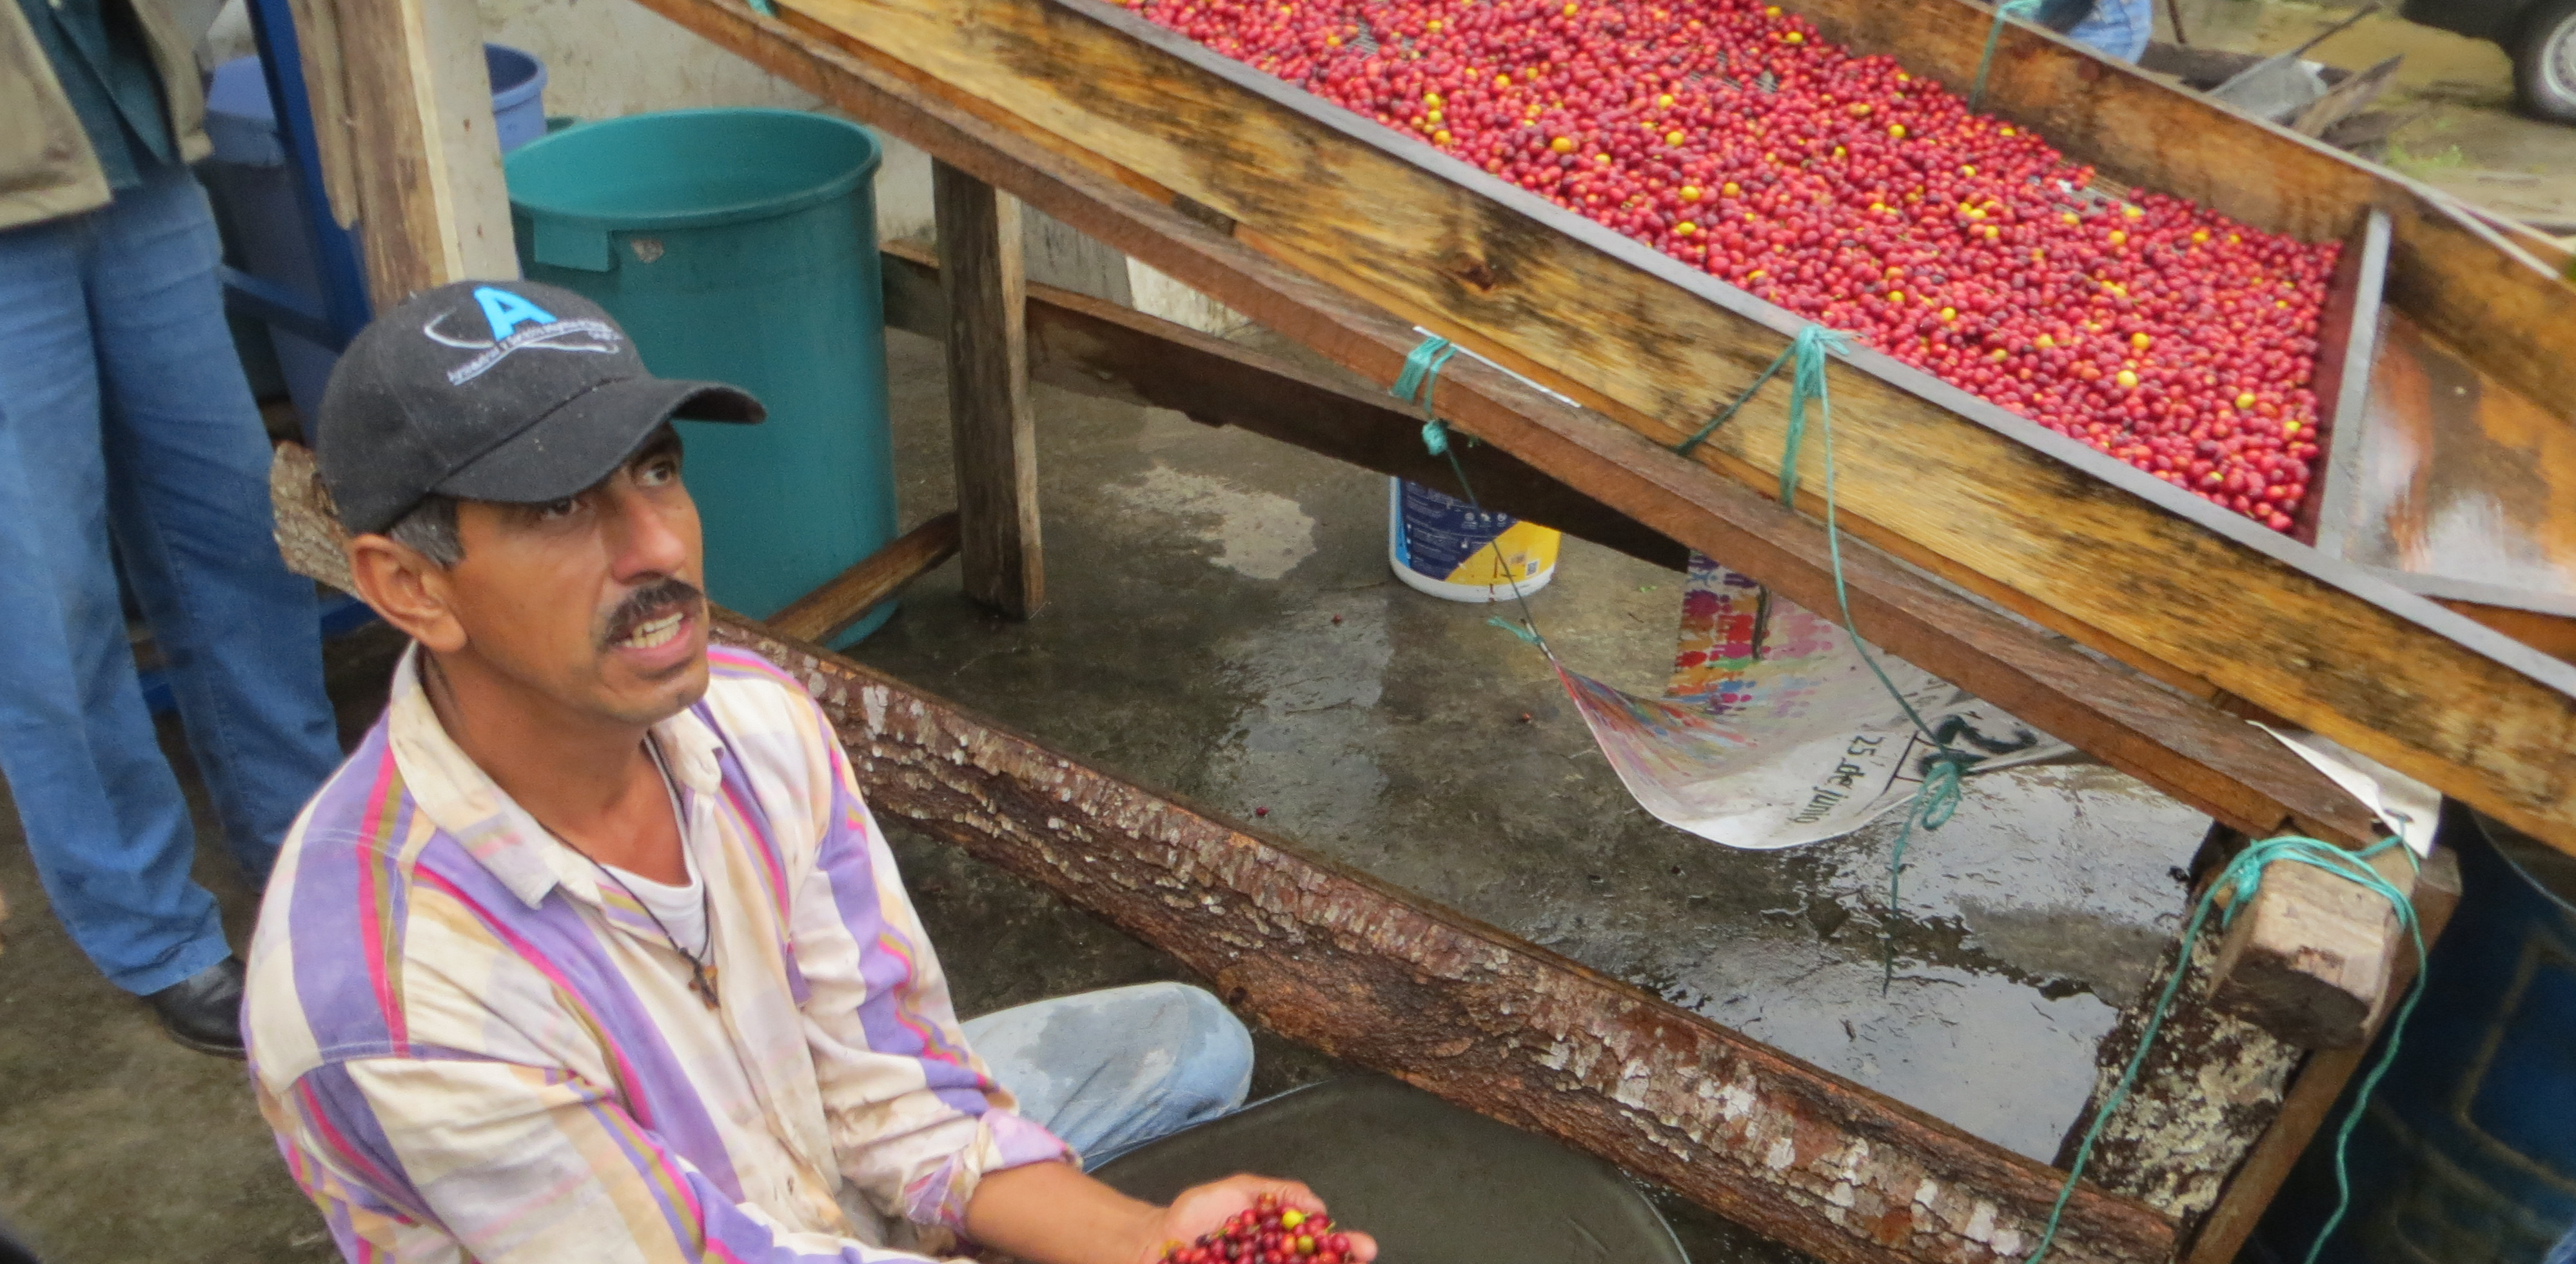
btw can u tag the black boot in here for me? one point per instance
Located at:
(203, 1011)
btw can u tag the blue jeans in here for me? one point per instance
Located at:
(1109, 1071)
(2118, 28)
(123, 413)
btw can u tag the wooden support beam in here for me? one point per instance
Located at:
(1080, 118)
(419, 151)
(988, 392)
(1108, 351)
(1369, 973)
(829, 610)
(2551, 634)
(2312, 960)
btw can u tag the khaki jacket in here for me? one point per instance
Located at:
(47, 168)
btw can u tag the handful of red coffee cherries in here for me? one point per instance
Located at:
(1267, 1234)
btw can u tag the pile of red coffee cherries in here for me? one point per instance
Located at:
(1267, 1234)
(1730, 136)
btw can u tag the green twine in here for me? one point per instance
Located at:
(2023, 9)
(1934, 803)
(762, 7)
(1686, 446)
(1937, 799)
(2244, 875)
(1416, 385)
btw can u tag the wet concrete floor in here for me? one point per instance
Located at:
(1195, 579)
(1191, 644)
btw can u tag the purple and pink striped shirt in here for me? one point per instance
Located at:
(473, 1048)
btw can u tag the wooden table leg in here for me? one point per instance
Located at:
(988, 392)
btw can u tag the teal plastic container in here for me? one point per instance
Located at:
(739, 246)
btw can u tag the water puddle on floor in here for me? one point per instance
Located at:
(2024, 924)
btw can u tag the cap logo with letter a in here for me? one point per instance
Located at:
(516, 324)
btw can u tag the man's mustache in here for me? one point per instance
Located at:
(647, 603)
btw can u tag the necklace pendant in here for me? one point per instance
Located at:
(702, 981)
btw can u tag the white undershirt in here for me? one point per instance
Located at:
(682, 910)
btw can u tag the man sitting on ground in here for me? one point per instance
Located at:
(591, 950)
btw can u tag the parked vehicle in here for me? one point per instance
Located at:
(2540, 34)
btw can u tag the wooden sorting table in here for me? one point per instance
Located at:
(2117, 612)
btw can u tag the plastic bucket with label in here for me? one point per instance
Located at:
(1441, 545)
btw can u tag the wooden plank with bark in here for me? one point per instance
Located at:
(1369, 973)
(2055, 530)
(2210, 1091)
(1365, 972)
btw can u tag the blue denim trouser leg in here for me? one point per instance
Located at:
(123, 412)
(1109, 1071)
(2118, 28)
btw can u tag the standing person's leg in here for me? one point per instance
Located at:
(102, 811)
(1109, 1071)
(2118, 28)
(187, 482)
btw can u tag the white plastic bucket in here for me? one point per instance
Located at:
(1443, 546)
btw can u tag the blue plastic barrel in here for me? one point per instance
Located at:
(2467, 1153)
(740, 246)
(255, 194)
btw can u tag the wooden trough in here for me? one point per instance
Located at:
(1064, 104)
(2109, 608)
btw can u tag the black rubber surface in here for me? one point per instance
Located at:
(1435, 1184)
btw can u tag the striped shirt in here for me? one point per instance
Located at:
(472, 1047)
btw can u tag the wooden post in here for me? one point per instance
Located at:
(417, 143)
(2311, 959)
(988, 392)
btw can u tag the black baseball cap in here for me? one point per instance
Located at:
(506, 391)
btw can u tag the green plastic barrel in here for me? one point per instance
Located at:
(739, 246)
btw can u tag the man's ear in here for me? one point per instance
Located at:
(411, 592)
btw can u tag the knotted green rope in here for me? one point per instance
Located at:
(2023, 9)
(1416, 385)
(2244, 876)
(1937, 799)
